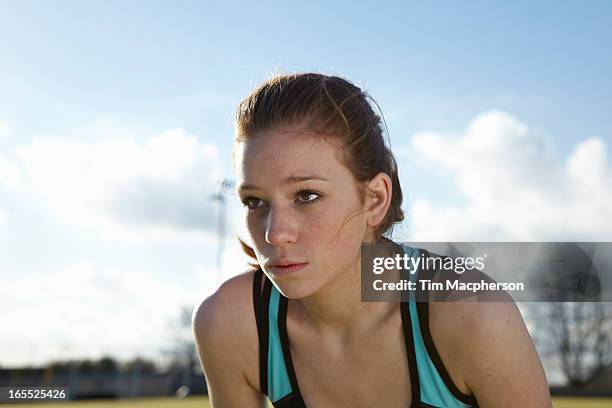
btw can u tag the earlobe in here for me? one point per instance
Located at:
(375, 201)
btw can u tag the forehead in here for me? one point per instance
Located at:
(273, 155)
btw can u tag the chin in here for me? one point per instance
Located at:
(294, 289)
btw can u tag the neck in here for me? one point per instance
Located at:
(337, 308)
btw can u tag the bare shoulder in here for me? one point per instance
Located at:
(225, 330)
(464, 319)
(473, 323)
(489, 351)
(227, 307)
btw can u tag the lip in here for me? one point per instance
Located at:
(286, 269)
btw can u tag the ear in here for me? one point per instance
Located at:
(378, 198)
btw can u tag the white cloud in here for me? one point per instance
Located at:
(87, 310)
(3, 217)
(5, 130)
(11, 176)
(158, 189)
(514, 186)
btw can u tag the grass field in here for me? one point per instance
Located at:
(582, 402)
(202, 402)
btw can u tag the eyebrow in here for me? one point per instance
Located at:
(286, 180)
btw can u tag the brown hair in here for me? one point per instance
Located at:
(325, 106)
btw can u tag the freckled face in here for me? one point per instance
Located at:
(297, 195)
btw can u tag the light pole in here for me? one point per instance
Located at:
(219, 196)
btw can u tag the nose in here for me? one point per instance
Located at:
(281, 227)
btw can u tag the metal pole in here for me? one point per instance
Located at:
(220, 196)
(221, 231)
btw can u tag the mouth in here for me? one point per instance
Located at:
(285, 269)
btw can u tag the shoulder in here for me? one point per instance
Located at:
(484, 344)
(224, 327)
(475, 323)
(227, 303)
(489, 350)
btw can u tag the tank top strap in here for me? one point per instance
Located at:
(277, 376)
(435, 387)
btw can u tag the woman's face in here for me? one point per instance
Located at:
(297, 195)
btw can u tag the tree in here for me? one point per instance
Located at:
(577, 336)
(142, 364)
(107, 365)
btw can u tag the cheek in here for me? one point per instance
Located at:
(254, 227)
(336, 241)
(321, 228)
(336, 229)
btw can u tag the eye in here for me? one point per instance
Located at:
(251, 203)
(306, 196)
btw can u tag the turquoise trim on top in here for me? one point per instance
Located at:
(278, 377)
(432, 387)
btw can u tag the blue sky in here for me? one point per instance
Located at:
(437, 64)
(81, 74)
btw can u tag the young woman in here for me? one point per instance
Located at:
(317, 180)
